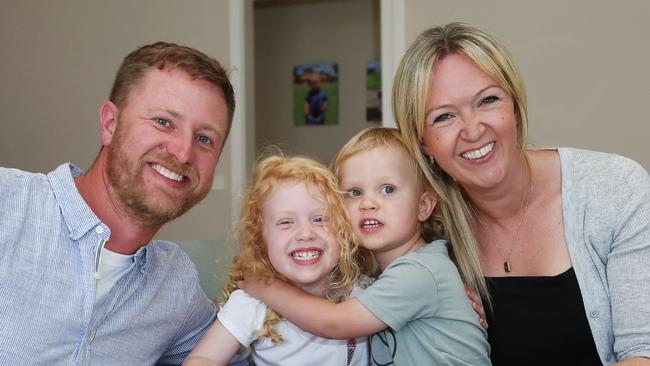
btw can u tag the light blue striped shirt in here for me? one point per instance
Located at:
(49, 237)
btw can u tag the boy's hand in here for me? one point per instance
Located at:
(254, 286)
(477, 305)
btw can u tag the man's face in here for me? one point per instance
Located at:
(166, 144)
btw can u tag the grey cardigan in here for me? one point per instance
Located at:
(606, 210)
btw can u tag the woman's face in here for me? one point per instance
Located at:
(470, 127)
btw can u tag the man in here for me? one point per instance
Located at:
(81, 280)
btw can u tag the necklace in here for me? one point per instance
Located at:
(506, 260)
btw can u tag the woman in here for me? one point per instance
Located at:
(562, 235)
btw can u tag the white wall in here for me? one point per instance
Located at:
(585, 64)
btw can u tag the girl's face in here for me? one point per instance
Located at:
(300, 244)
(470, 127)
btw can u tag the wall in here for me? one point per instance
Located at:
(584, 62)
(343, 32)
(58, 62)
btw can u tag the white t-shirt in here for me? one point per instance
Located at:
(243, 315)
(112, 266)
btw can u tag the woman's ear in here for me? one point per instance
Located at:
(108, 115)
(426, 205)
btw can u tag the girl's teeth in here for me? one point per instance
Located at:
(305, 256)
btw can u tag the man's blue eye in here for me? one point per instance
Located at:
(204, 139)
(163, 122)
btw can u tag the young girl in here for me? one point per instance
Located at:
(294, 228)
(417, 307)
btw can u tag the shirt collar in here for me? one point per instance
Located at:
(76, 213)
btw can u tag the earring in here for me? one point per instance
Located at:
(432, 161)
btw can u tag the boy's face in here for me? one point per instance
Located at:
(384, 200)
(300, 245)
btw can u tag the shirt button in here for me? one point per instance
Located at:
(608, 357)
(99, 230)
(594, 314)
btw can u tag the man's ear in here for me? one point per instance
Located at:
(426, 205)
(108, 114)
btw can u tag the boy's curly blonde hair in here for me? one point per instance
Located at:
(253, 259)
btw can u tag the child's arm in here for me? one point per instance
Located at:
(314, 314)
(217, 347)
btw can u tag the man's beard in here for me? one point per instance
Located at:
(126, 179)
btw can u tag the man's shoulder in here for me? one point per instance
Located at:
(170, 257)
(13, 174)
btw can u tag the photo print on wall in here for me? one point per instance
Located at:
(315, 94)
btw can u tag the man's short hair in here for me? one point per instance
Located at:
(161, 55)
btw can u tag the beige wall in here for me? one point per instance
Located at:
(58, 62)
(343, 32)
(585, 64)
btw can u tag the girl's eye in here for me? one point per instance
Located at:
(284, 222)
(488, 100)
(321, 219)
(387, 189)
(163, 122)
(443, 117)
(204, 139)
(354, 192)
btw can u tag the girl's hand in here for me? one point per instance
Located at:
(477, 305)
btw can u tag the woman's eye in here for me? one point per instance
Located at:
(488, 100)
(354, 192)
(387, 189)
(443, 117)
(163, 122)
(204, 139)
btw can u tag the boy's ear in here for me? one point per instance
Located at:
(427, 203)
(108, 115)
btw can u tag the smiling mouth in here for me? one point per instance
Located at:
(167, 173)
(478, 153)
(306, 255)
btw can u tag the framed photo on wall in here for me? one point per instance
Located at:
(373, 91)
(315, 94)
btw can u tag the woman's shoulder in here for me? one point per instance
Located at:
(588, 159)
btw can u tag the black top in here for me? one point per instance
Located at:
(539, 321)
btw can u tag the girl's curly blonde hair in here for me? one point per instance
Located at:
(253, 259)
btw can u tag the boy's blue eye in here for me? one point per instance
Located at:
(387, 189)
(354, 192)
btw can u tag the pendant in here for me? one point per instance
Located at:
(506, 265)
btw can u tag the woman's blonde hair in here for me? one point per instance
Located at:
(386, 137)
(411, 94)
(253, 259)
